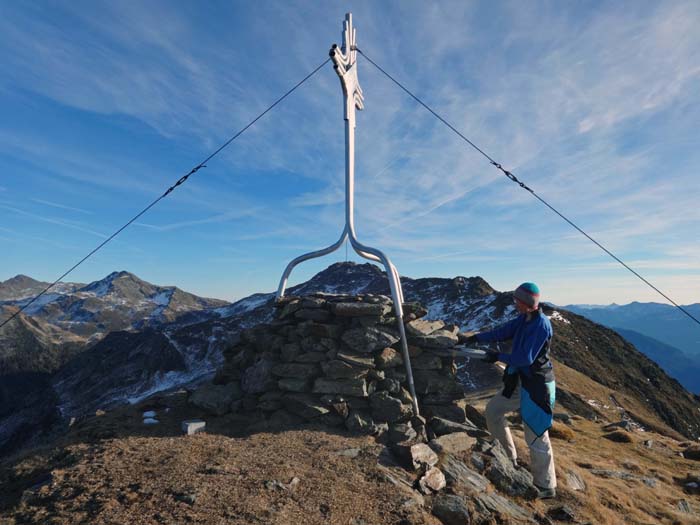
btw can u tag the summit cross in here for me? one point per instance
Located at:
(345, 65)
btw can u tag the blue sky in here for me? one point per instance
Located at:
(595, 105)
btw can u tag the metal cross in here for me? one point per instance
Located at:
(345, 65)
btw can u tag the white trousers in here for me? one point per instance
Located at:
(541, 456)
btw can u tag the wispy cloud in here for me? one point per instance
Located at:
(62, 206)
(74, 225)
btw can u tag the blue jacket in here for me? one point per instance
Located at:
(528, 340)
(530, 360)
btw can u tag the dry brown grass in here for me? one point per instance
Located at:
(613, 501)
(561, 431)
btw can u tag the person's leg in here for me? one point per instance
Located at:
(495, 414)
(541, 459)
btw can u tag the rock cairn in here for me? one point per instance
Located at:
(336, 360)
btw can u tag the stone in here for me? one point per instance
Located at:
(282, 419)
(311, 357)
(313, 314)
(497, 504)
(423, 457)
(432, 382)
(362, 361)
(337, 369)
(563, 417)
(692, 452)
(390, 385)
(426, 362)
(451, 509)
(624, 425)
(452, 443)
(423, 327)
(289, 309)
(350, 387)
(317, 344)
(295, 370)
(323, 331)
(399, 374)
(289, 351)
(185, 497)
(293, 384)
(366, 340)
(313, 302)
(258, 377)
(389, 358)
(341, 409)
(192, 426)
(503, 474)
(269, 405)
(399, 432)
(684, 507)
(149, 413)
(360, 309)
(150, 421)
(304, 406)
(216, 399)
(376, 375)
(459, 476)
(562, 513)
(575, 481)
(415, 309)
(452, 412)
(432, 481)
(444, 426)
(475, 415)
(351, 453)
(441, 339)
(360, 422)
(387, 408)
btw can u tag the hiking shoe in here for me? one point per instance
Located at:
(545, 493)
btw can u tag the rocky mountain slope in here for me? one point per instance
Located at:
(133, 366)
(675, 362)
(307, 421)
(22, 287)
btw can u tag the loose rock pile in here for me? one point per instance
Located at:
(336, 359)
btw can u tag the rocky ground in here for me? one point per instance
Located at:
(309, 421)
(114, 469)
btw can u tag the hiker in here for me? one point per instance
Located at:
(528, 384)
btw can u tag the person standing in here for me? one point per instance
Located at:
(529, 384)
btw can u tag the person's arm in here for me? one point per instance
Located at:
(525, 354)
(503, 332)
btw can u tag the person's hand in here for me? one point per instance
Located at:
(468, 338)
(490, 357)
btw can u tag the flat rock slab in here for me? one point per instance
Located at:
(459, 475)
(453, 443)
(360, 309)
(366, 340)
(192, 426)
(296, 370)
(338, 369)
(451, 509)
(348, 387)
(420, 327)
(440, 339)
(356, 359)
(304, 406)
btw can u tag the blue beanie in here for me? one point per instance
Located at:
(528, 293)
